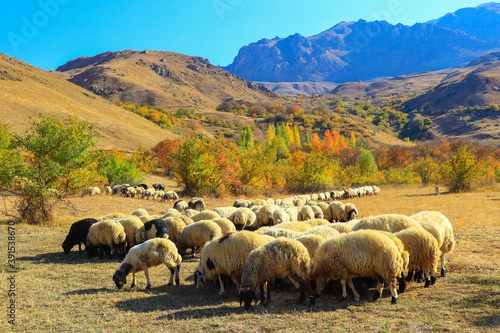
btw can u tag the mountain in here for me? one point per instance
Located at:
(160, 78)
(482, 22)
(27, 91)
(299, 88)
(353, 51)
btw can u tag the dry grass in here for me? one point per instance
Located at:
(73, 293)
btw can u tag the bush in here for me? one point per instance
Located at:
(462, 170)
(118, 170)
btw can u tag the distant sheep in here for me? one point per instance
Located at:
(241, 203)
(111, 216)
(197, 204)
(295, 226)
(170, 196)
(77, 235)
(323, 230)
(336, 212)
(151, 253)
(149, 193)
(351, 211)
(277, 232)
(140, 212)
(159, 186)
(181, 205)
(280, 216)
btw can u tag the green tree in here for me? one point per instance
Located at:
(367, 165)
(118, 170)
(461, 170)
(425, 168)
(11, 160)
(270, 134)
(56, 157)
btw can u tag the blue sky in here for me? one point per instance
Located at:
(48, 33)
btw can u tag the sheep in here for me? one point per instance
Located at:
(241, 203)
(257, 202)
(287, 202)
(227, 255)
(226, 212)
(158, 195)
(306, 213)
(322, 230)
(311, 242)
(261, 230)
(351, 211)
(226, 226)
(108, 189)
(171, 213)
(146, 218)
(439, 226)
(277, 232)
(186, 219)
(299, 202)
(181, 205)
(90, 191)
(437, 190)
(118, 188)
(149, 193)
(336, 212)
(341, 227)
(156, 228)
(139, 191)
(388, 222)
(190, 212)
(318, 212)
(140, 212)
(424, 252)
(175, 226)
(133, 228)
(292, 212)
(159, 187)
(151, 253)
(265, 215)
(205, 215)
(295, 226)
(197, 204)
(362, 253)
(77, 235)
(106, 233)
(279, 259)
(244, 218)
(197, 234)
(111, 216)
(317, 222)
(130, 192)
(280, 216)
(170, 196)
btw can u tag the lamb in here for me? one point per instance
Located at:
(133, 228)
(306, 213)
(424, 252)
(362, 253)
(181, 205)
(337, 212)
(156, 228)
(226, 212)
(439, 226)
(77, 235)
(351, 211)
(226, 226)
(244, 218)
(205, 215)
(277, 232)
(227, 256)
(279, 259)
(197, 234)
(151, 253)
(388, 222)
(106, 234)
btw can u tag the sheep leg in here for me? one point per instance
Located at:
(269, 287)
(133, 281)
(402, 284)
(295, 283)
(177, 272)
(351, 285)
(171, 281)
(262, 295)
(443, 270)
(380, 287)
(344, 291)
(236, 281)
(305, 285)
(222, 291)
(394, 293)
(148, 286)
(79, 248)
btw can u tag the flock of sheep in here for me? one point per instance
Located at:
(135, 191)
(302, 240)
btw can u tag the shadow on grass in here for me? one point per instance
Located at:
(69, 259)
(91, 291)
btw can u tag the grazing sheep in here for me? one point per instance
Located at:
(341, 227)
(292, 212)
(336, 212)
(108, 189)
(241, 203)
(197, 234)
(295, 226)
(280, 216)
(323, 230)
(317, 222)
(186, 219)
(170, 196)
(130, 192)
(197, 204)
(119, 188)
(265, 216)
(149, 193)
(77, 234)
(226, 226)
(277, 232)
(175, 226)
(156, 228)
(190, 212)
(151, 253)
(437, 190)
(424, 252)
(111, 216)
(106, 234)
(133, 228)
(244, 218)
(226, 212)
(171, 213)
(158, 195)
(318, 212)
(311, 242)
(159, 186)
(146, 218)
(205, 215)
(90, 191)
(388, 222)
(139, 191)
(257, 202)
(181, 205)
(351, 211)
(227, 255)
(439, 226)
(363, 253)
(140, 212)
(279, 259)
(306, 213)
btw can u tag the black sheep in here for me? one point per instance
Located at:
(159, 186)
(77, 235)
(160, 228)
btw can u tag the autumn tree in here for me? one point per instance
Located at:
(461, 171)
(425, 168)
(162, 153)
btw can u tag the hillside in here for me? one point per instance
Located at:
(299, 88)
(161, 78)
(26, 91)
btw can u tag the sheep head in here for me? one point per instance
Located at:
(120, 279)
(247, 295)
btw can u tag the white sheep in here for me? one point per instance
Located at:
(205, 215)
(227, 255)
(190, 212)
(362, 253)
(336, 212)
(108, 189)
(277, 232)
(140, 212)
(171, 213)
(226, 212)
(130, 192)
(322, 230)
(111, 216)
(226, 226)
(158, 195)
(151, 253)
(317, 222)
(279, 259)
(132, 226)
(149, 193)
(244, 218)
(170, 196)
(439, 226)
(341, 227)
(197, 234)
(181, 205)
(90, 191)
(351, 211)
(175, 227)
(306, 213)
(318, 212)
(387, 222)
(292, 212)
(241, 203)
(311, 242)
(295, 226)
(265, 216)
(106, 233)
(280, 216)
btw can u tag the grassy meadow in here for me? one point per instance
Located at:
(72, 293)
